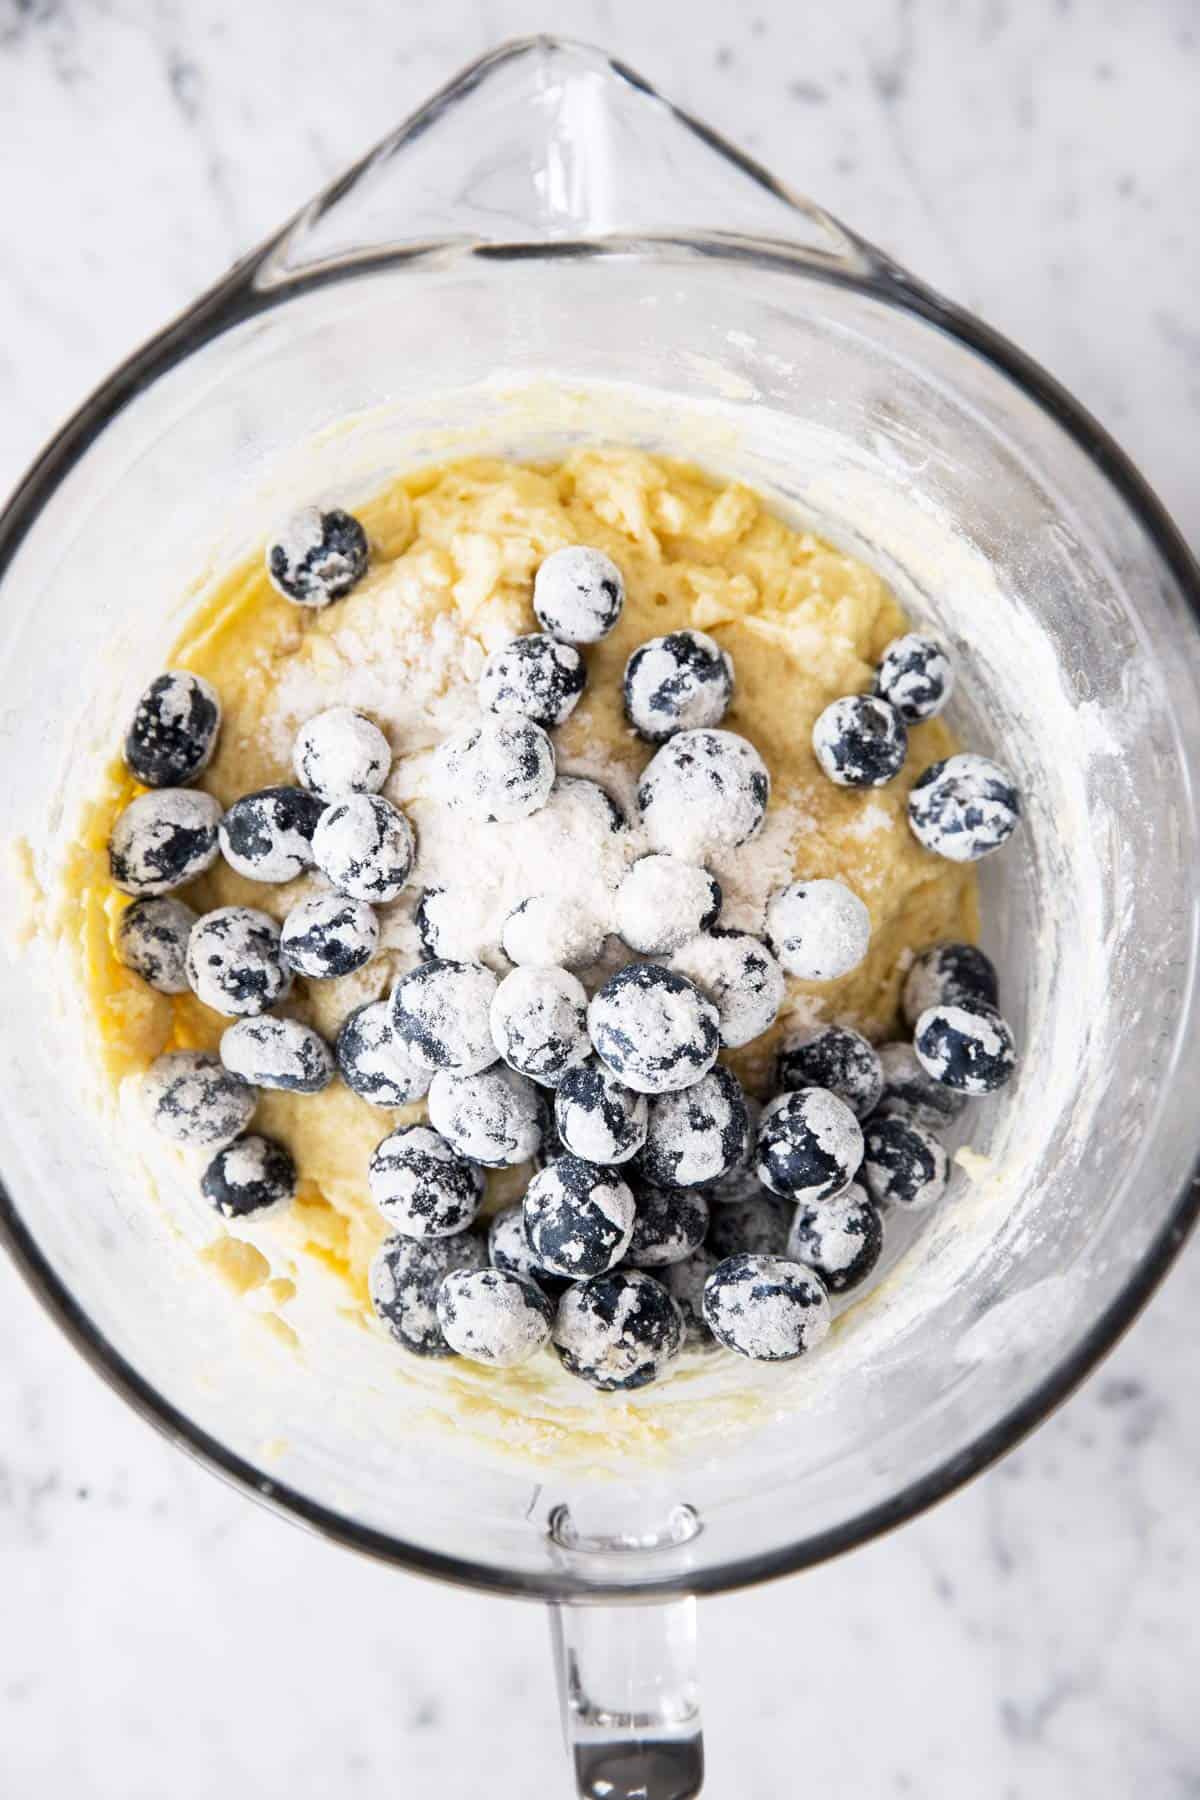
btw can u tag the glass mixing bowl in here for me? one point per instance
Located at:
(549, 252)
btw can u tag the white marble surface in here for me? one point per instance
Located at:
(1031, 1638)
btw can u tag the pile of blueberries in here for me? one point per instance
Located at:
(666, 1207)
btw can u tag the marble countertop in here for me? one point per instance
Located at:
(1028, 1639)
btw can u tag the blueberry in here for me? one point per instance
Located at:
(671, 1223)
(697, 1135)
(584, 808)
(174, 729)
(405, 1279)
(739, 1182)
(508, 1248)
(578, 594)
(497, 771)
(251, 1176)
(193, 1101)
(162, 840)
(946, 973)
(907, 1089)
(965, 1045)
(741, 977)
(663, 902)
(421, 1185)
(267, 836)
(365, 848)
(904, 1165)
(841, 1240)
(278, 1053)
(553, 929)
(318, 556)
(578, 1217)
(684, 1281)
(371, 1061)
(653, 1029)
(339, 752)
(598, 1117)
(964, 808)
(493, 1316)
(860, 741)
(756, 1225)
(810, 1145)
(327, 936)
(915, 676)
(235, 963)
(766, 1307)
(819, 930)
(533, 678)
(837, 1058)
(455, 923)
(677, 683)
(539, 1023)
(703, 794)
(441, 1014)
(495, 1117)
(152, 937)
(619, 1331)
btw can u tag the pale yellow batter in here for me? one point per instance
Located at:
(453, 554)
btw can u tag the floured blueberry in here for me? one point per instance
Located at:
(704, 793)
(533, 677)
(441, 1014)
(251, 1176)
(663, 902)
(833, 1057)
(278, 1053)
(904, 1165)
(908, 1089)
(965, 1045)
(578, 1217)
(497, 771)
(819, 930)
(495, 1117)
(670, 1224)
(162, 840)
(810, 1145)
(598, 1117)
(619, 1331)
(508, 1248)
(455, 923)
(860, 741)
(421, 1185)
(493, 1316)
(317, 556)
(193, 1101)
(372, 1062)
(756, 1225)
(235, 961)
(553, 930)
(152, 938)
(539, 1023)
(578, 594)
(740, 1182)
(268, 836)
(365, 847)
(740, 976)
(329, 935)
(697, 1135)
(946, 973)
(339, 752)
(964, 808)
(653, 1028)
(173, 731)
(677, 683)
(684, 1281)
(915, 676)
(405, 1279)
(584, 806)
(766, 1307)
(841, 1239)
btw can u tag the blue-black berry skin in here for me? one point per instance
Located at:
(654, 1028)
(964, 808)
(578, 594)
(618, 1332)
(235, 961)
(946, 973)
(756, 1225)
(405, 1279)
(597, 1116)
(834, 1057)
(534, 677)
(860, 741)
(697, 1135)
(685, 1282)
(768, 1308)
(904, 1164)
(173, 731)
(965, 1045)
(842, 1239)
(318, 556)
(193, 1101)
(916, 676)
(421, 1185)
(910, 1090)
(809, 1145)
(370, 1061)
(152, 940)
(267, 836)
(251, 1176)
(328, 935)
(671, 1223)
(578, 1217)
(163, 840)
(677, 683)
(508, 1249)
(278, 1053)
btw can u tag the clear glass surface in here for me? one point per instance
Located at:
(551, 253)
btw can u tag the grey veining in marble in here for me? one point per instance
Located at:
(1032, 1639)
